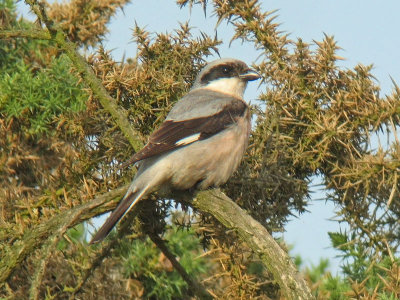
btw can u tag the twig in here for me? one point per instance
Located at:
(194, 286)
(32, 34)
(96, 262)
(41, 267)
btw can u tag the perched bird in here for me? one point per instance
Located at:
(201, 142)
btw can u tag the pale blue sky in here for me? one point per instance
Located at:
(367, 30)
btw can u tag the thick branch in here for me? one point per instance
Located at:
(35, 237)
(214, 202)
(258, 239)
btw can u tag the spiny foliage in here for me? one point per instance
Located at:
(85, 22)
(318, 120)
(58, 146)
(150, 84)
(378, 281)
(39, 98)
(152, 273)
(59, 149)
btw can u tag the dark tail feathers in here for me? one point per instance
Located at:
(119, 212)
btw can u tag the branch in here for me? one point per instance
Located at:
(258, 239)
(40, 266)
(32, 34)
(194, 286)
(108, 103)
(34, 238)
(214, 202)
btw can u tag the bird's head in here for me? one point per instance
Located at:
(227, 75)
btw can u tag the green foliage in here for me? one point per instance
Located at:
(324, 285)
(335, 287)
(374, 275)
(385, 296)
(354, 253)
(319, 270)
(36, 99)
(76, 234)
(144, 262)
(34, 53)
(9, 5)
(35, 88)
(362, 276)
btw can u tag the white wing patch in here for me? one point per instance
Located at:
(187, 140)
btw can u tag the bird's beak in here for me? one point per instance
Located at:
(249, 75)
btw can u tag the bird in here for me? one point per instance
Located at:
(201, 142)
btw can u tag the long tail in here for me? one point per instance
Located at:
(129, 200)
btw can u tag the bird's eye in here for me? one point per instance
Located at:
(226, 70)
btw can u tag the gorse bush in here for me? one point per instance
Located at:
(61, 145)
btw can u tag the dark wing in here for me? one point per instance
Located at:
(175, 134)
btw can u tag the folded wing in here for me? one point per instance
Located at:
(174, 134)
